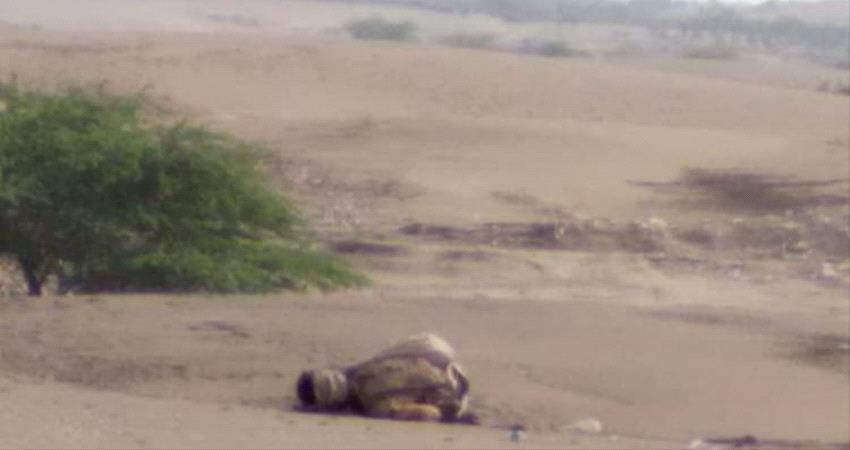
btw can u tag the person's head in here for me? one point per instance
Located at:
(322, 388)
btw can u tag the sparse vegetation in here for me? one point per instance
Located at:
(378, 28)
(551, 48)
(98, 191)
(842, 88)
(839, 88)
(470, 40)
(674, 23)
(820, 42)
(718, 50)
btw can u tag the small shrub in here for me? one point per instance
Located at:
(839, 88)
(470, 40)
(378, 28)
(551, 49)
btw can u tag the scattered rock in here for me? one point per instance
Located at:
(700, 444)
(751, 442)
(798, 247)
(517, 433)
(844, 268)
(586, 426)
(702, 236)
(658, 226)
(724, 443)
(828, 272)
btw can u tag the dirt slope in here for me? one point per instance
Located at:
(459, 124)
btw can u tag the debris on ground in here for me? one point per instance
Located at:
(517, 433)
(751, 442)
(586, 426)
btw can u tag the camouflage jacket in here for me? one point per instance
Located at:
(417, 379)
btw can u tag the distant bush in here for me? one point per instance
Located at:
(551, 48)
(842, 88)
(378, 28)
(713, 51)
(470, 40)
(99, 191)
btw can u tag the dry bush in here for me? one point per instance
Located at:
(378, 28)
(470, 40)
(550, 48)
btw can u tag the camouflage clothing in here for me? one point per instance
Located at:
(416, 379)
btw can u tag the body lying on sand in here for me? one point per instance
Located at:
(415, 379)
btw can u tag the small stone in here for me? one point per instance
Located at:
(790, 225)
(747, 441)
(586, 426)
(828, 272)
(699, 444)
(656, 257)
(735, 273)
(517, 433)
(825, 220)
(798, 247)
(658, 226)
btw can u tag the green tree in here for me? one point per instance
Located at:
(98, 191)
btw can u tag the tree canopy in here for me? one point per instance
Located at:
(97, 190)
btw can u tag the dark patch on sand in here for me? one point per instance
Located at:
(368, 248)
(713, 318)
(828, 351)
(467, 255)
(220, 326)
(741, 190)
(575, 235)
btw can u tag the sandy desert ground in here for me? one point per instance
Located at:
(535, 212)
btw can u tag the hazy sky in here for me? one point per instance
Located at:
(757, 1)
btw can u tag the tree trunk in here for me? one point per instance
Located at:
(30, 274)
(33, 285)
